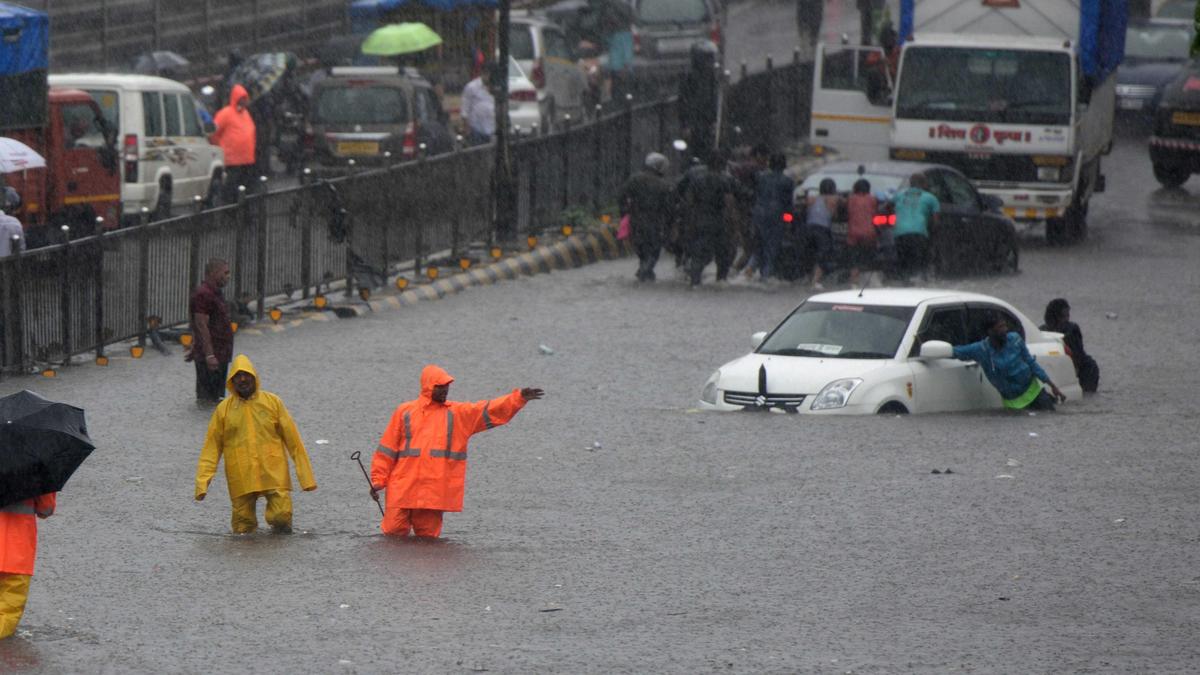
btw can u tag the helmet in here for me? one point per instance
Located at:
(10, 200)
(657, 163)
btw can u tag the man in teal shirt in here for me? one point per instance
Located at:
(916, 210)
(1011, 369)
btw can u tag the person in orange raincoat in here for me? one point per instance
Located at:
(18, 535)
(421, 460)
(236, 135)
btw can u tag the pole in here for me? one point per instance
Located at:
(503, 184)
(357, 456)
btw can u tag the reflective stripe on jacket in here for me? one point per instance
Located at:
(422, 457)
(18, 532)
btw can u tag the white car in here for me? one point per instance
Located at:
(878, 351)
(524, 113)
(541, 49)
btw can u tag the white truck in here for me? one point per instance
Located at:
(1017, 94)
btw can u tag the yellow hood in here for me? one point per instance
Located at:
(242, 364)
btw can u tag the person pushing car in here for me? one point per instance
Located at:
(421, 460)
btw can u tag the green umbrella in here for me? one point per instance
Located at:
(400, 38)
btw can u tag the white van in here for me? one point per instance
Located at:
(166, 159)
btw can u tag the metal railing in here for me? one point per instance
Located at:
(83, 295)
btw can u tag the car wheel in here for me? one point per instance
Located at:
(162, 208)
(1171, 176)
(892, 408)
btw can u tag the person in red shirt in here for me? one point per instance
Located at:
(18, 536)
(861, 242)
(236, 135)
(212, 333)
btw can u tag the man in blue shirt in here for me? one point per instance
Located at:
(916, 211)
(1011, 369)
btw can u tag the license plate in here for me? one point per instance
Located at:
(358, 148)
(1190, 119)
(676, 44)
(1130, 103)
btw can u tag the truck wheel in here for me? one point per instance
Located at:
(1076, 223)
(1171, 176)
(162, 208)
(1056, 231)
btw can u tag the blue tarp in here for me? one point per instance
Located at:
(24, 40)
(368, 9)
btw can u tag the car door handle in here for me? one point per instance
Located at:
(972, 365)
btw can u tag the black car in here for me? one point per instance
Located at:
(1155, 52)
(1175, 140)
(971, 234)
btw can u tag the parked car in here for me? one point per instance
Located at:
(166, 158)
(665, 30)
(971, 234)
(1155, 51)
(544, 54)
(524, 112)
(371, 114)
(1175, 139)
(859, 353)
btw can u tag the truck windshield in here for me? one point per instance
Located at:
(985, 85)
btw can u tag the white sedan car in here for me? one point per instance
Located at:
(878, 351)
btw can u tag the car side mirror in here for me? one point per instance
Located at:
(936, 349)
(991, 202)
(757, 339)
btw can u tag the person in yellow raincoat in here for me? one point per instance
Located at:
(253, 430)
(422, 458)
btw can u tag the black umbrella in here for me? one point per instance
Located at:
(41, 444)
(158, 63)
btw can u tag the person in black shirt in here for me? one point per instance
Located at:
(708, 198)
(1058, 319)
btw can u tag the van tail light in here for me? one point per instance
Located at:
(408, 150)
(884, 220)
(129, 153)
(538, 77)
(714, 33)
(524, 96)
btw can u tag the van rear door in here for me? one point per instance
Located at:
(851, 109)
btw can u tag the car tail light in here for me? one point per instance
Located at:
(538, 77)
(637, 40)
(884, 220)
(524, 96)
(408, 150)
(714, 33)
(129, 154)
(788, 217)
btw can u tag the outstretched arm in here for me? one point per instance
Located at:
(498, 411)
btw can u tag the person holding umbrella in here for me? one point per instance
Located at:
(253, 430)
(421, 460)
(41, 444)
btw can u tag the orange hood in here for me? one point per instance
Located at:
(237, 94)
(431, 377)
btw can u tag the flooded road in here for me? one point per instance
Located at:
(684, 542)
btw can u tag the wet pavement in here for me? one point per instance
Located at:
(682, 542)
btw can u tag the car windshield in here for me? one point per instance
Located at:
(1160, 42)
(672, 11)
(845, 182)
(360, 105)
(985, 85)
(840, 331)
(1177, 9)
(520, 42)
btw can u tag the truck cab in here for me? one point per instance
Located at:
(81, 180)
(1018, 96)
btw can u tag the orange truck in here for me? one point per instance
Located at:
(81, 180)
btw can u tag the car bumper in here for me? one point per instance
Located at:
(1175, 151)
(525, 120)
(804, 409)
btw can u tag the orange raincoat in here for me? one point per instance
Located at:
(422, 458)
(235, 130)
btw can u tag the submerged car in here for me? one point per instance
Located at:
(971, 234)
(876, 351)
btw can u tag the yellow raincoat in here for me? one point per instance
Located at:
(253, 434)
